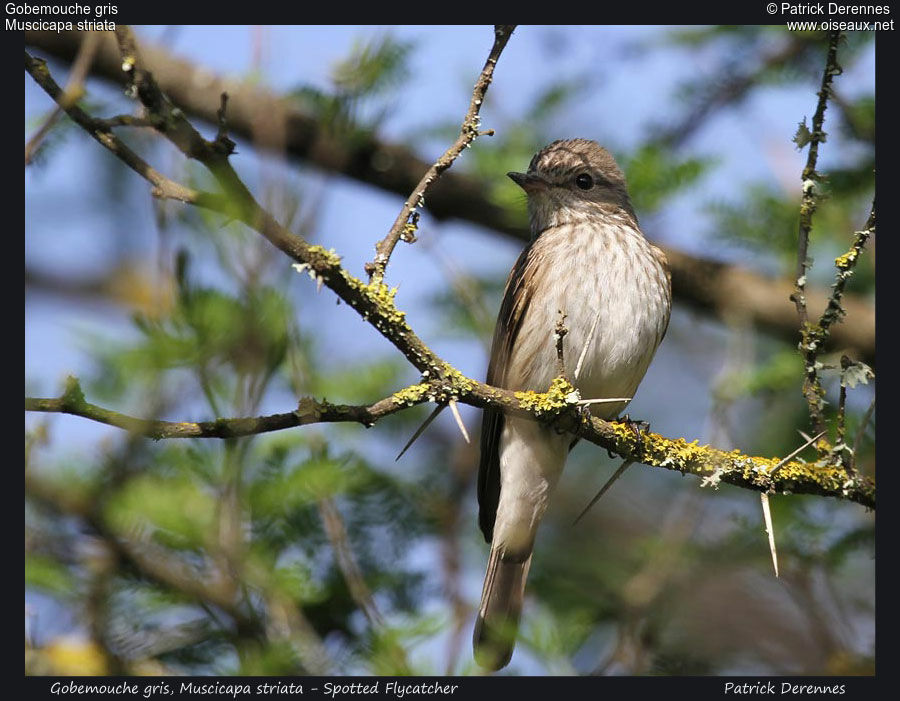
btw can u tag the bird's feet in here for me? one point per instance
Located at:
(637, 427)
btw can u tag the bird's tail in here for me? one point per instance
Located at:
(501, 606)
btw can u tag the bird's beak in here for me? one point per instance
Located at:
(529, 183)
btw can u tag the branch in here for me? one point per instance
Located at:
(100, 130)
(845, 265)
(309, 411)
(442, 382)
(559, 405)
(346, 561)
(813, 391)
(405, 225)
(708, 285)
(73, 92)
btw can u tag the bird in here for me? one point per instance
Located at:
(587, 259)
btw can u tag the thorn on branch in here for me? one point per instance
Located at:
(459, 422)
(770, 530)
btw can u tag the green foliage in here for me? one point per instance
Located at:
(49, 575)
(361, 87)
(178, 510)
(765, 221)
(373, 67)
(655, 175)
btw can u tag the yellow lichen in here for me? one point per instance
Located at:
(458, 383)
(845, 261)
(411, 395)
(715, 465)
(328, 256)
(556, 398)
(382, 297)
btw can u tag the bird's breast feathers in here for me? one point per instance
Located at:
(593, 275)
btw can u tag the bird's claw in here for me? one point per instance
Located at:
(636, 427)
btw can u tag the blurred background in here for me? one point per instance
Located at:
(312, 551)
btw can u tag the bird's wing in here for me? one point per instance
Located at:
(516, 299)
(664, 262)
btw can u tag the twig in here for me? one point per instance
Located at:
(814, 337)
(812, 389)
(559, 334)
(784, 461)
(405, 225)
(308, 411)
(163, 187)
(842, 406)
(74, 89)
(222, 138)
(654, 450)
(845, 265)
(343, 553)
(126, 120)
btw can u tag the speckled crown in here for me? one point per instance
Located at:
(564, 157)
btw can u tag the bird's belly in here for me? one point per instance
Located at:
(616, 303)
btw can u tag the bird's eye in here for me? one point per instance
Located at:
(584, 181)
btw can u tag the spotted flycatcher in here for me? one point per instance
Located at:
(589, 260)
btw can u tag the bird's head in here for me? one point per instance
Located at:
(572, 180)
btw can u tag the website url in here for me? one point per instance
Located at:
(841, 26)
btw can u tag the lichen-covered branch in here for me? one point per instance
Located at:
(845, 265)
(441, 382)
(558, 405)
(809, 347)
(405, 225)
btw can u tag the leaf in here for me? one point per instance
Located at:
(856, 373)
(803, 135)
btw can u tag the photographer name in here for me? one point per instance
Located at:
(766, 688)
(832, 8)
